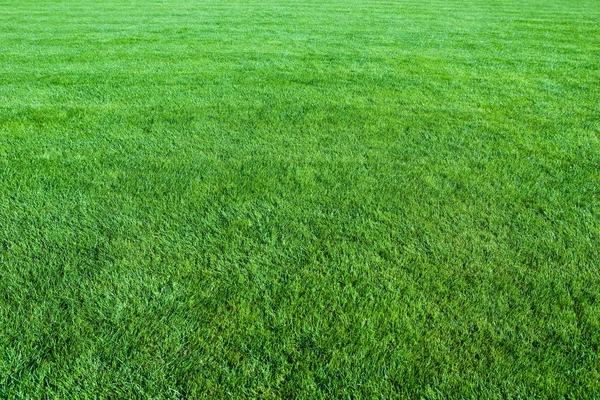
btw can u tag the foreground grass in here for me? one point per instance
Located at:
(299, 199)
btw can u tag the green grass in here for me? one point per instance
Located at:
(275, 199)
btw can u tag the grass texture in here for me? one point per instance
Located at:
(299, 199)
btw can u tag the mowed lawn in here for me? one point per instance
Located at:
(300, 199)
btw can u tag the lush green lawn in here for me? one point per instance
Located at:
(312, 199)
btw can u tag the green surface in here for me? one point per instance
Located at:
(299, 199)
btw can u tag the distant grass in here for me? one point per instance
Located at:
(281, 198)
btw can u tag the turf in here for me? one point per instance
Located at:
(276, 199)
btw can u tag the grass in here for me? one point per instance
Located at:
(275, 199)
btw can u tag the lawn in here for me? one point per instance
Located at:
(299, 199)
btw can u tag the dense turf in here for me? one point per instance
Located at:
(299, 199)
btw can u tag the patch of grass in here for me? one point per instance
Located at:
(299, 199)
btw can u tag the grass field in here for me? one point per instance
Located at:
(300, 199)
